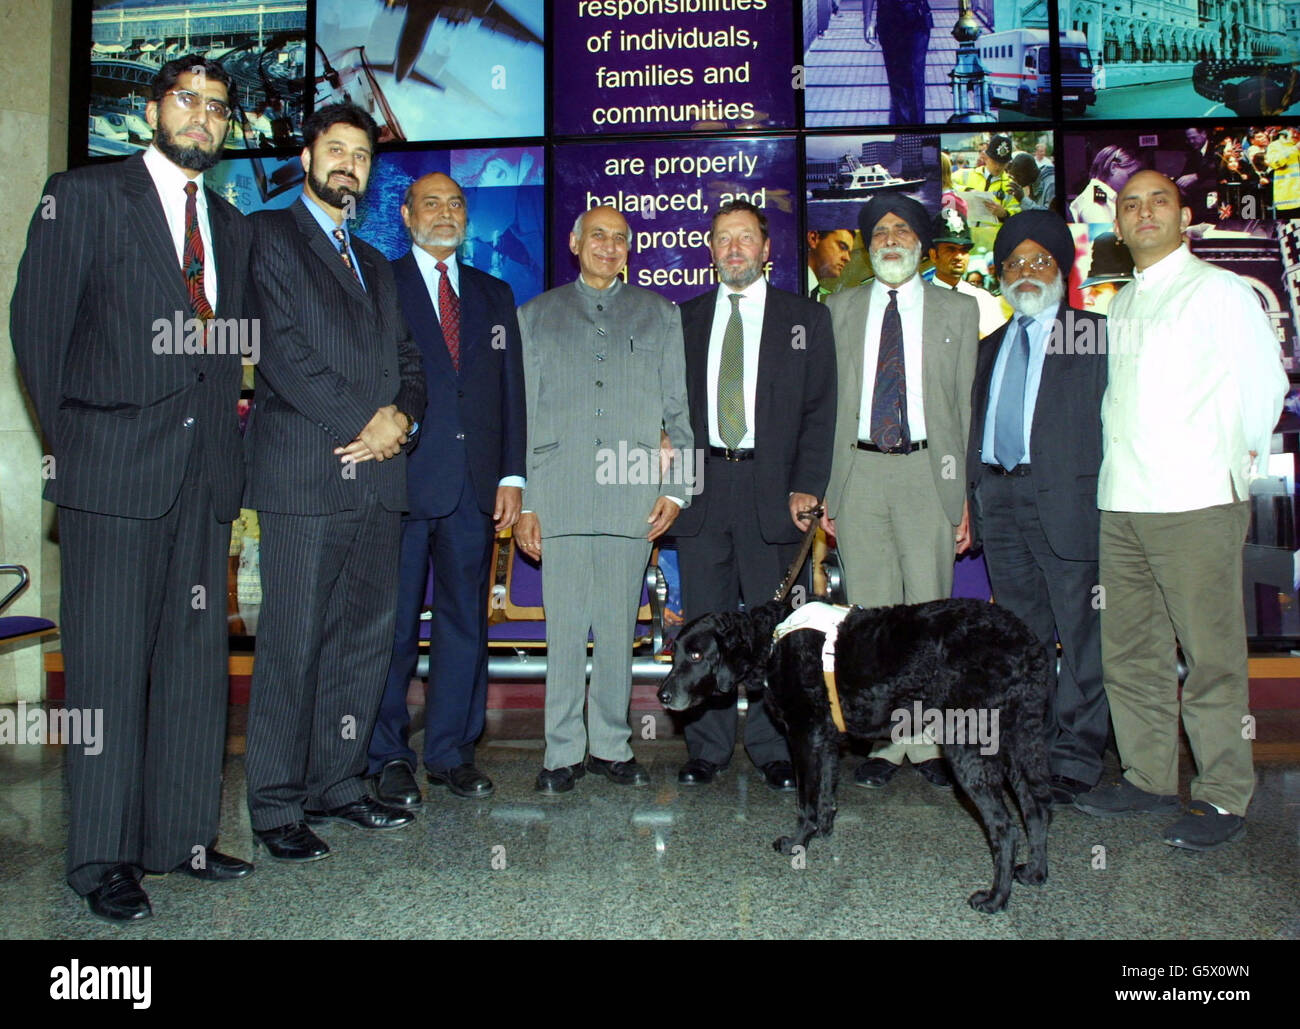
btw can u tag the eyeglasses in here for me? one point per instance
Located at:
(187, 100)
(1037, 263)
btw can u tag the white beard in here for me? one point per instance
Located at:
(1032, 303)
(902, 269)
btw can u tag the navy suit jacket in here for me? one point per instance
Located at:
(1064, 439)
(475, 421)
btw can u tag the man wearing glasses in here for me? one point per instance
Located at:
(147, 474)
(1031, 469)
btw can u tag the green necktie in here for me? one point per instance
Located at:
(731, 379)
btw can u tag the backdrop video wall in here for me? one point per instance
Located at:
(665, 109)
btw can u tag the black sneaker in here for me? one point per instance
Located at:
(1123, 798)
(1203, 828)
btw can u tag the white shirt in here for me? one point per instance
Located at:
(1195, 384)
(427, 263)
(992, 317)
(911, 304)
(751, 321)
(170, 182)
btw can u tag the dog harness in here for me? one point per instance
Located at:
(826, 619)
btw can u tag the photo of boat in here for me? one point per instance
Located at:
(857, 181)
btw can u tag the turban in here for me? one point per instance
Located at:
(895, 203)
(1045, 228)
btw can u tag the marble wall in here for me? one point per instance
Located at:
(35, 39)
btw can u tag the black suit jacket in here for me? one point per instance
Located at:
(332, 355)
(99, 294)
(794, 406)
(474, 423)
(1065, 435)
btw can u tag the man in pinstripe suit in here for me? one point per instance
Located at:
(147, 475)
(339, 390)
(604, 374)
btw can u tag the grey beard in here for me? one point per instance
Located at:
(1031, 304)
(911, 260)
(433, 239)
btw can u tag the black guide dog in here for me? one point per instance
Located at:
(959, 658)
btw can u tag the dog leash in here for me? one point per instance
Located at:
(792, 572)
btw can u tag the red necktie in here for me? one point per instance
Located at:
(192, 261)
(449, 315)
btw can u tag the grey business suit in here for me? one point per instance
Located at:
(603, 372)
(894, 514)
(148, 472)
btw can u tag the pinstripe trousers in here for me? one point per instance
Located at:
(323, 642)
(146, 646)
(590, 583)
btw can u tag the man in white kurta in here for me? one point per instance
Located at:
(1195, 389)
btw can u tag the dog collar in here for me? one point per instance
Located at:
(826, 619)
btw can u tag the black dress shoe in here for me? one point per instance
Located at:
(463, 781)
(118, 898)
(558, 780)
(779, 776)
(363, 813)
(217, 867)
(935, 772)
(1065, 790)
(395, 785)
(625, 773)
(292, 842)
(698, 772)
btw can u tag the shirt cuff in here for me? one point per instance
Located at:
(513, 480)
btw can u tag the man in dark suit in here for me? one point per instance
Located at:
(464, 481)
(1031, 471)
(135, 381)
(760, 378)
(339, 391)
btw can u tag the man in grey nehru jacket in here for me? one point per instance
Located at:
(604, 373)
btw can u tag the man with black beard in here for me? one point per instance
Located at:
(148, 472)
(339, 392)
(1031, 470)
(905, 351)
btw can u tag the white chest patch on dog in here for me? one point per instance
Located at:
(823, 618)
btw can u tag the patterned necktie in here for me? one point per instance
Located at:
(449, 315)
(342, 238)
(192, 261)
(889, 401)
(731, 379)
(1009, 422)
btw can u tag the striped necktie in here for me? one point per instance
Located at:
(193, 258)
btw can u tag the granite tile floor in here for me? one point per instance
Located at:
(671, 862)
